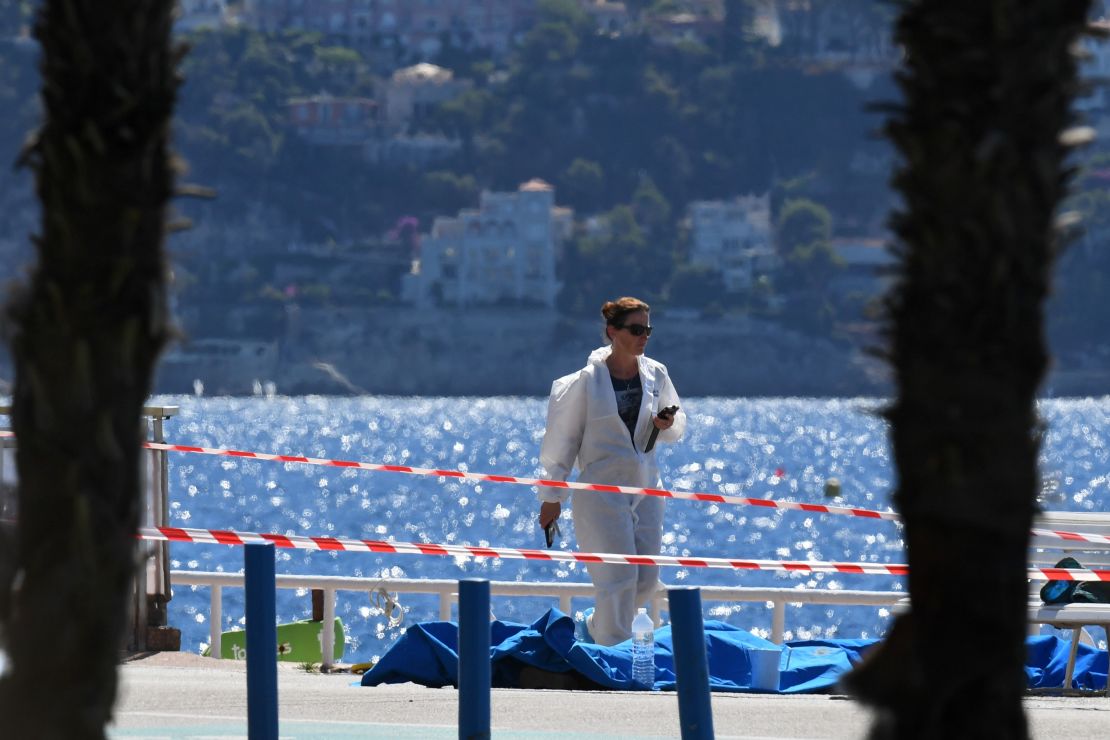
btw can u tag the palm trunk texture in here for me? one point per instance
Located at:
(988, 87)
(85, 335)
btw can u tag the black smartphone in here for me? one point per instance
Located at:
(551, 531)
(663, 414)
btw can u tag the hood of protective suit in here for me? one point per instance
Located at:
(600, 355)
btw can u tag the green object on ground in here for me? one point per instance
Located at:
(299, 642)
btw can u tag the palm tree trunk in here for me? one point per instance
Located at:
(988, 87)
(86, 333)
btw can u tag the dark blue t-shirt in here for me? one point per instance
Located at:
(629, 395)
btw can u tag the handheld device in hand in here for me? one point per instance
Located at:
(551, 530)
(663, 414)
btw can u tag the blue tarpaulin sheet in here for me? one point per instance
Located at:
(428, 654)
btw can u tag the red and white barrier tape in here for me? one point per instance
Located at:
(1072, 536)
(574, 485)
(226, 537)
(683, 495)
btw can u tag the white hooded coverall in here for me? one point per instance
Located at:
(585, 431)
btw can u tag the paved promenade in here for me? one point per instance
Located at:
(180, 695)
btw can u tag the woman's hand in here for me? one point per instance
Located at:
(663, 422)
(549, 512)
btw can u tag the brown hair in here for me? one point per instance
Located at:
(614, 311)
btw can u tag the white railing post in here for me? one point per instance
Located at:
(565, 605)
(445, 604)
(216, 622)
(327, 636)
(778, 621)
(156, 588)
(163, 477)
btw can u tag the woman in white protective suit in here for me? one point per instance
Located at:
(601, 418)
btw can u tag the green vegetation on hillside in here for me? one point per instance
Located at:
(628, 129)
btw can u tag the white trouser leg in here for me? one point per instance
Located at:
(617, 523)
(647, 518)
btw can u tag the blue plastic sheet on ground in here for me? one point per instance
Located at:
(1046, 664)
(428, 654)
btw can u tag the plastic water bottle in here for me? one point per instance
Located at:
(643, 650)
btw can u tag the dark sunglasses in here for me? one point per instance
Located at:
(637, 330)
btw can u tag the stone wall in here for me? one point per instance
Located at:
(519, 351)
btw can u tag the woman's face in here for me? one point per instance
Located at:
(624, 340)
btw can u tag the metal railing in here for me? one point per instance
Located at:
(7, 477)
(152, 588)
(156, 500)
(447, 590)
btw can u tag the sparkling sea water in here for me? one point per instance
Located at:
(783, 449)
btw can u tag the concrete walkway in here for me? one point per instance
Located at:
(180, 695)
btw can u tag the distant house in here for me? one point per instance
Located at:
(505, 250)
(333, 121)
(387, 129)
(406, 99)
(733, 238)
(837, 32)
(353, 17)
(867, 266)
(610, 17)
(850, 37)
(411, 93)
(487, 24)
(416, 26)
(674, 28)
(193, 15)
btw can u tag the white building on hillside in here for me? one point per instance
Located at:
(503, 251)
(734, 238)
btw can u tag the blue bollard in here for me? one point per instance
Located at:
(262, 698)
(695, 716)
(474, 665)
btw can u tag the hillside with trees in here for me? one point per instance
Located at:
(630, 128)
(625, 128)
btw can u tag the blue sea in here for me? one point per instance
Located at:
(783, 449)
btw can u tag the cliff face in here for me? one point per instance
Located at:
(519, 351)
